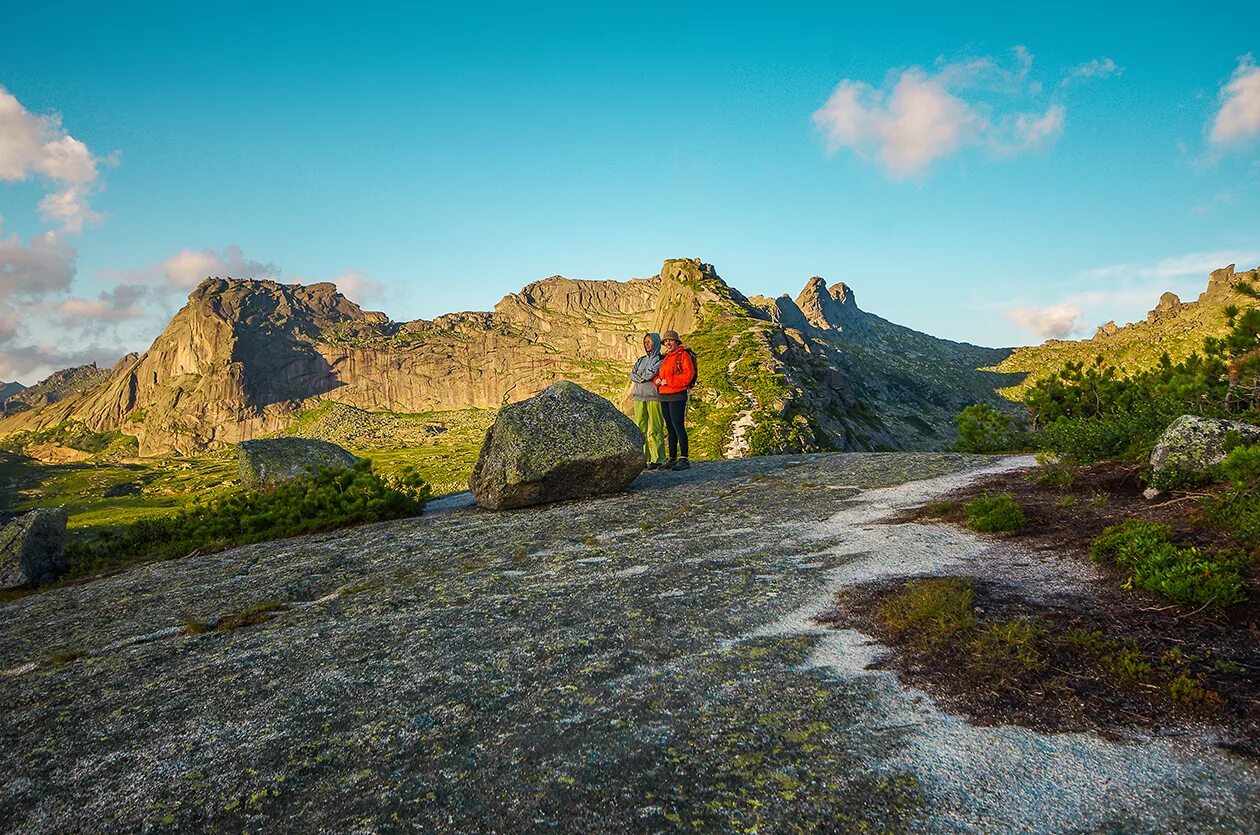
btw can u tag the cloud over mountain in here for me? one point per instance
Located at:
(1056, 321)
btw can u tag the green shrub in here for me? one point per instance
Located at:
(929, 611)
(1242, 466)
(325, 500)
(1176, 478)
(983, 429)
(1185, 575)
(991, 514)
(1188, 690)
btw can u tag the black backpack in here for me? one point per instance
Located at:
(695, 364)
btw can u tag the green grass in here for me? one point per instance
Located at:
(72, 434)
(929, 611)
(994, 514)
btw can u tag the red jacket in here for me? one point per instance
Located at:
(678, 371)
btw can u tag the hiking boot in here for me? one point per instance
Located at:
(652, 465)
(668, 465)
(681, 465)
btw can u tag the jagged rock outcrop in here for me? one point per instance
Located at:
(243, 358)
(1169, 306)
(830, 308)
(563, 443)
(269, 460)
(32, 548)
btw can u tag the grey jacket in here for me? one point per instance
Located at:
(644, 372)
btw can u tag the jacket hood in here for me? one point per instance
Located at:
(656, 343)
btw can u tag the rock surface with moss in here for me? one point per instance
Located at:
(470, 671)
(562, 443)
(268, 460)
(1194, 446)
(32, 549)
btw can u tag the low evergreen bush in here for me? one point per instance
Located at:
(1183, 574)
(325, 500)
(993, 514)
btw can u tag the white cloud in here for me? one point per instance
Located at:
(1056, 321)
(1097, 68)
(30, 273)
(1198, 264)
(1239, 116)
(120, 304)
(357, 287)
(38, 146)
(189, 267)
(916, 123)
(925, 116)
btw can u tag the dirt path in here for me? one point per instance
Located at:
(645, 662)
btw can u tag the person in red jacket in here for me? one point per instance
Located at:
(673, 381)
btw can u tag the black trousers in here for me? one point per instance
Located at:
(675, 427)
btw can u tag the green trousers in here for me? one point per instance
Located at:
(651, 419)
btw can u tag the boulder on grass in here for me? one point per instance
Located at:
(268, 460)
(563, 443)
(1194, 446)
(33, 548)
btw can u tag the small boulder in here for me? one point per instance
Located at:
(1195, 445)
(33, 548)
(563, 443)
(268, 460)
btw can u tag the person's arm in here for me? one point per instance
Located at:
(648, 374)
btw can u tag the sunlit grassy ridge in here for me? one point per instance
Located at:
(1138, 346)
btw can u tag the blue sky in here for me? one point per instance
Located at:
(986, 173)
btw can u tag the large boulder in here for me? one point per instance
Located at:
(563, 443)
(33, 548)
(1193, 446)
(268, 460)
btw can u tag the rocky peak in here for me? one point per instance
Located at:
(828, 309)
(252, 302)
(60, 385)
(1169, 306)
(1221, 281)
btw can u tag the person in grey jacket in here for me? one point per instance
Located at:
(647, 401)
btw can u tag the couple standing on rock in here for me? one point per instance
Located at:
(660, 387)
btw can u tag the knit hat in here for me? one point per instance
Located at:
(670, 335)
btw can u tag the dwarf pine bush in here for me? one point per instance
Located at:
(325, 500)
(992, 514)
(1183, 574)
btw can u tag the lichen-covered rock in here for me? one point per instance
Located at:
(1194, 445)
(268, 460)
(32, 548)
(562, 443)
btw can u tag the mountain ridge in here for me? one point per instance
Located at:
(244, 357)
(1174, 327)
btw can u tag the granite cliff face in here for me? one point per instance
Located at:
(243, 357)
